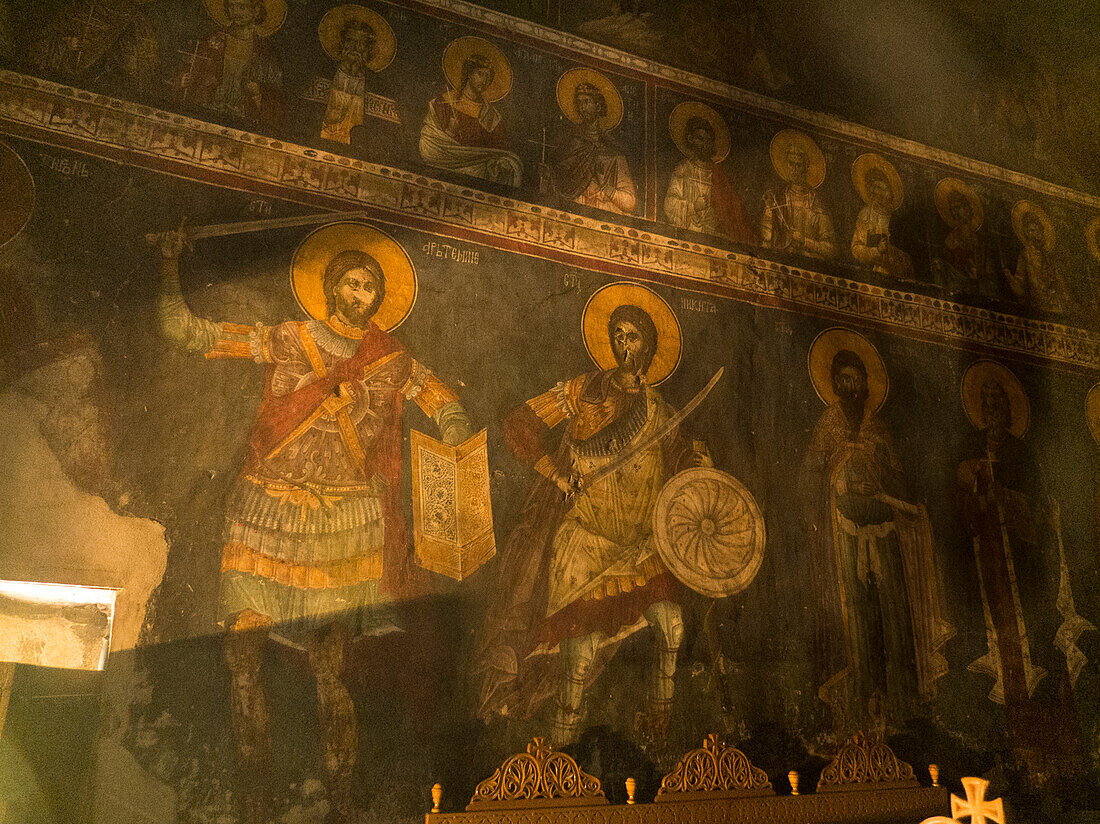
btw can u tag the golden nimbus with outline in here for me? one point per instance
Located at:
(677, 127)
(597, 314)
(952, 185)
(976, 376)
(313, 255)
(567, 89)
(1092, 237)
(274, 16)
(819, 361)
(1092, 412)
(463, 47)
(864, 164)
(1022, 209)
(16, 193)
(331, 30)
(789, 139)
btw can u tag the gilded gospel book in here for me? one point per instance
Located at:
(452, 515)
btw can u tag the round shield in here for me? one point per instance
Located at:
(709, 531)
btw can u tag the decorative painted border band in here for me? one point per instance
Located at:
(139, 135)
(742, 98)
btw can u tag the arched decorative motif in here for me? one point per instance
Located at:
(538, 775)
(865, 764)
(714, 769)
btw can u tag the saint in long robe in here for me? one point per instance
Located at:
(966, 264)
(237, 76)
(872, 245)
(1037, 282)
(460, 135)
(1032, 625)
(591, 170)
(795, 221)
(701, 198)
(879, 632)
(98, 44)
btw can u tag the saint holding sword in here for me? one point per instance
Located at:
(581, 570)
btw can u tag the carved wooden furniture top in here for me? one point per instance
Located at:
(864, 764)
(714, 783)
(538, 777)
(714, 770)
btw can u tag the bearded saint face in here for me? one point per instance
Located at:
(242, 13)
(996, 411)
(357, 47)
(629, 347)
(798, 165)
(850, 386)
(357, 297)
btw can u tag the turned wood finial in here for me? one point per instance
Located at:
(934, 773)
(792, 776)
(437, 797)
(631, 788)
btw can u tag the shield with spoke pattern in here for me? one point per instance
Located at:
(709, 531)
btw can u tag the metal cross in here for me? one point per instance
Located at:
(975, 806)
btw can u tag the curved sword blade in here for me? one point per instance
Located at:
(668, 426)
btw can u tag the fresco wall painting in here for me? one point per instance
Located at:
(720, 415)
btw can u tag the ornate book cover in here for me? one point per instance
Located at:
(452, 515)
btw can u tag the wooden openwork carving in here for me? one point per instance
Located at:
(538, 775)
(716, 771)
(865, 764)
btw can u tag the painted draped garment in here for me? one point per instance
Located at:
(314, 528)
(880, 630)
(586, 564)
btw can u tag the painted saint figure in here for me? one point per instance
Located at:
(102, 44)
(362, 44)
(879, 632)
(589, 167)
(580, 571)
(233, 70)
(963, 256)
(879, 185)
(315, 544)
(1092, 242)
(464, 131)
(700, 196)
(1032, 625)
(794, 218)
(1037, 282)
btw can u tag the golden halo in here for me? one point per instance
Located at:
(1092, 237)
(788, 139)
(976, 375)
(458, 50)
(677, 126)
(332, 26)
(1092, 412)
(865, 163)
(952, 185)
(567, 87)
(597, 314)
(273, 19)
(820, 363)
(1025, 207)
(307, 270)
(16, 193)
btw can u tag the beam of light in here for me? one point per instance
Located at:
(56, 625)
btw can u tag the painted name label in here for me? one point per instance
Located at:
(455, 253)
(697, 305)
